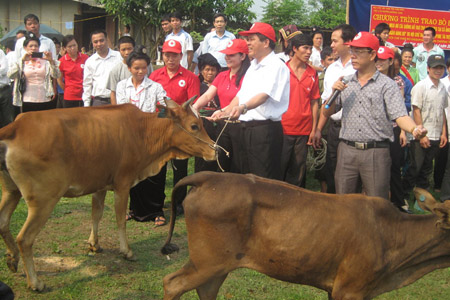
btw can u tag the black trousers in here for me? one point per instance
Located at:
(72, 103)
(147, 197)
(231, 142)
(421, 167)
(439, 166)
(262, 143)
(6, 107)
(31, 106)
(293, 159)
(200, 163)
(180, 171)
(397, 158)
(331, 157)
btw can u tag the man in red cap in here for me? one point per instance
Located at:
(260, 103)
(180, 85)
(370, 100)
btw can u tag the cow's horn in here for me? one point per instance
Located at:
(189, 102)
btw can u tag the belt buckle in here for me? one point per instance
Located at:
(360, 146)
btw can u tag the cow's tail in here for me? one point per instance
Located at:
(193, 180)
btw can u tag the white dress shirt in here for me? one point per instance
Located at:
(144, 97)
(431, 100)
(214, 43)
(446, 82)
(332, 74)
(96, 74)
(269, 76)
(4, 65)
(46, 45)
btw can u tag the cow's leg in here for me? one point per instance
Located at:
(121, 202)
(9, 202)
(38, 213)
(98, 204)
(209, 290)
(207, 281)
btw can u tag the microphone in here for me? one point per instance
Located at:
(336, 93)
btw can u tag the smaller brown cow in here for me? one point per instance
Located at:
(51, 154)
(352, 246)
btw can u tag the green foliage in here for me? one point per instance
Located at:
(145, 15)
(196, 36)
(327, 13)
(279, 13)
(311, 13)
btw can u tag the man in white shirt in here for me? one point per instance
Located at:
(185, 39)
(260, 103)
(6, 108)
(445, 188)
(97, 69)
(218, 39)
(342, 67)
(32, 25)
(429, 101)
(425, 50)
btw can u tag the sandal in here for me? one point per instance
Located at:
(160, 221)
(128, 217)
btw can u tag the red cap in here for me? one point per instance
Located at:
(171, 46)
(236, 46)
(365, 39)
(263, 28)
(385, 53)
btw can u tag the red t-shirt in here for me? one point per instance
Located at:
(226, 87)
(181, 87)
(72, 71)
(297, 120)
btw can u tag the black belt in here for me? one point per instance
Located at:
(102, 99)
(258, 123)
(367, 145)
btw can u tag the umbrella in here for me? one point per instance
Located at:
(44, 30)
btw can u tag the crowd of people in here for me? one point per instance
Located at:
(381, 110)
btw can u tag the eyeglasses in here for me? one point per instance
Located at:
(359, 52)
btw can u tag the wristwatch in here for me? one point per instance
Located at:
(245, 109)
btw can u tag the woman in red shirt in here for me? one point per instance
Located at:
(71, 67)
(226, 85)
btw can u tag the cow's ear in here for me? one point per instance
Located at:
(425, 200)
(442, 212)
(167, 111)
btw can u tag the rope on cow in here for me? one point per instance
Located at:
(316, 158)
(214, 146)
(215, 143)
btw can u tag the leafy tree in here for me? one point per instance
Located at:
(304, 13)
(145, 15)
(280, 13)
(327, 13)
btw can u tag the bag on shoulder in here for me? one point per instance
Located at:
(22, 83)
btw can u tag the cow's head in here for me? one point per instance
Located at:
(427, 202)
(189, 137)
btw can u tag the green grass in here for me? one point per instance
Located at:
(70, 273)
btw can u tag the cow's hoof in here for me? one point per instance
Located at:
(39, 286)
(95, 249)
(130, 256)
(12, 263)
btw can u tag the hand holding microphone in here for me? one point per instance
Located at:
(338, 87)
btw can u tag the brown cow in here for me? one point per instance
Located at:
(352, 246)
(73, 152)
